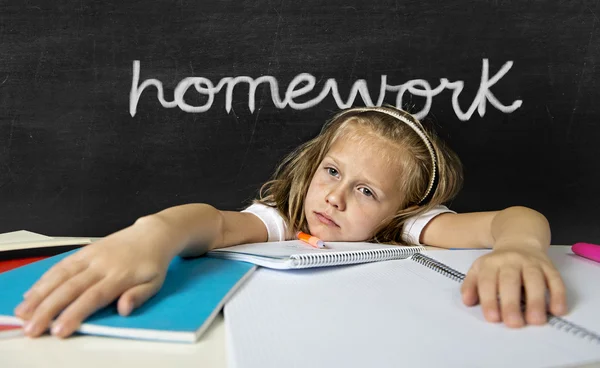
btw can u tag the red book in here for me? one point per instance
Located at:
(7, 331)
(14, 263)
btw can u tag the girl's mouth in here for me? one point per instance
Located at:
(324, 219)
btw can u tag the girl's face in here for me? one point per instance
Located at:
(353, 190)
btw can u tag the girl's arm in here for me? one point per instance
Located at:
(200, 227)
(520, 238)
(130, 265)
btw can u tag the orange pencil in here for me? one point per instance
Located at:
(313, 241)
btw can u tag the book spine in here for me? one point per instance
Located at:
(352, 257)
(556, 322)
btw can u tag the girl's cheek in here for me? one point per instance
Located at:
(317, 178)
(366, 217)
(361, 219)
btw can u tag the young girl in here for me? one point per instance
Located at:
(372, 174)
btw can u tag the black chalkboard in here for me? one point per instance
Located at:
(74, 161)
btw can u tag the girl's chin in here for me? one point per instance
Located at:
(331, 236)
(326, 236)
(327, 233)
(320, 234)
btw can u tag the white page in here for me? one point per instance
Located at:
(23, 239)
(580, 275)
(21, 236)
(383, 314)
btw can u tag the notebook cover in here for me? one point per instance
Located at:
(193, 293)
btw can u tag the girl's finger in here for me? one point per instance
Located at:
(556, 287)
(487, 288)
(136, 296)
(53, 278)
(98, 296)
(468, 288)
(509, 287)
(535, 292)
(57, 300)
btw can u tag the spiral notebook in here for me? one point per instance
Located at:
(402, 313)
(295, 254)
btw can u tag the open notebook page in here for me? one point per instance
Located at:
(579, 275)
(381, 314)
(23, 243)
(22, 236)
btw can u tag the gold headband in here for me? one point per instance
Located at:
(417, 128)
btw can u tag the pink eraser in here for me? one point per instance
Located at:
(587, 250)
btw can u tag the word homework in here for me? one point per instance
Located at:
(304, 83)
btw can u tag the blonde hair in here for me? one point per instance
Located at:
(432, 172)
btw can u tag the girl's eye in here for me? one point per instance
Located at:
(367, 192)
(331, 171)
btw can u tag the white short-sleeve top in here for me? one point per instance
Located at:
(278, 231)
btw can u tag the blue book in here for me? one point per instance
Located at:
(193, 293)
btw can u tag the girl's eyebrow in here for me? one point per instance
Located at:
(328, 156)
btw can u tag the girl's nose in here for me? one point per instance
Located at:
(336, 199)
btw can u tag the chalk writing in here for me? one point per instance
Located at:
(304, 83)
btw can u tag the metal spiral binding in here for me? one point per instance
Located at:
(438, 267)
(351, 257)
(564, 325)
(557, 322)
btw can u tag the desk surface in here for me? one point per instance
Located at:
(102, 352)
(47, 351)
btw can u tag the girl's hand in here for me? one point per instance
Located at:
(496, 280)
(130, 265)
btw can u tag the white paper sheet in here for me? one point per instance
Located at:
(390, 314)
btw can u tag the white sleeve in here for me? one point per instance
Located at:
(411, 231)
(274, 222)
